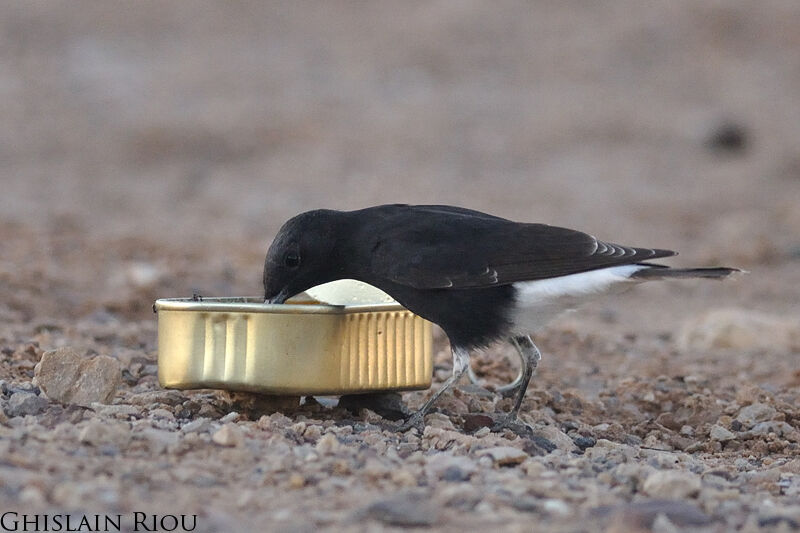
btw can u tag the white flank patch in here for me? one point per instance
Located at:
(540, 301)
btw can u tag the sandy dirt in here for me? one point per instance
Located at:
(152, 150)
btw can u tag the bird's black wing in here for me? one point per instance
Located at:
(438, 249)
(450, 210)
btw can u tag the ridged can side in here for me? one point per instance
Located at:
(386, 350)
(306, 353)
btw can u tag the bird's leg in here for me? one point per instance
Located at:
(513, 388)
(509, 389)
(532, 355)
(525, 346)
(460, 365)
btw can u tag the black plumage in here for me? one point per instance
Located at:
(439, 247)
(456, 267)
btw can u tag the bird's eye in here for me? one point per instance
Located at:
(291, 260)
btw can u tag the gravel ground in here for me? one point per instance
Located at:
(148, 151)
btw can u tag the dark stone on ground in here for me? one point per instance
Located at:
(406, 510)
(475, 421)
(538, 446)
(728, 137)
(25, 403)
(585, 442)
(455, 474)
(388, 405)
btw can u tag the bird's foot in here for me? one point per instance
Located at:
(512, 423)
(416, 420)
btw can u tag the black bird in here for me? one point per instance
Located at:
(481, 278)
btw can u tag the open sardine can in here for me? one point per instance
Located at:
(344, 337)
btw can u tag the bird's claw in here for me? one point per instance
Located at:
(416, 420)
(513, 424)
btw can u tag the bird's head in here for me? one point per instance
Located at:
(302, 255)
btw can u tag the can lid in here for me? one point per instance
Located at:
(337, 297)
(347, 292)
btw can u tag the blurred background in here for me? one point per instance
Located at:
(162, 144)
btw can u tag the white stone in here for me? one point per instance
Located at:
(672, 484)
(554, 506)
(557, 437)
(754, 413)
(328, 444)
(198, 425)
(228, 435)
(721, 434)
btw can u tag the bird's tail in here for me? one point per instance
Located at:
(665, 272)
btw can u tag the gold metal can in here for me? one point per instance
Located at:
(298, 348)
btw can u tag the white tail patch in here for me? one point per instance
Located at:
(538, 302)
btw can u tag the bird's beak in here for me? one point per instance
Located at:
(279, 298)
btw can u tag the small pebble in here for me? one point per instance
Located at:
(728, 137)
(451, 467)
(550, 438)
(120, 411)
(484, 431)
(585, 442)
(328, 444)
(405, 510)
(721, 434)
(780, 429)
(198, 425)
(25, 403)
(228, 435)
(757, 412)
(312, 433)
(296, 481)
(233, 416)
(504, 455)
(672, 484)
(554, 506)
(162, 413)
